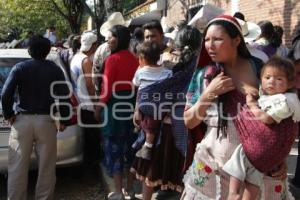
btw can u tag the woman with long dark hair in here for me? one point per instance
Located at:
(165, 168)
(269, 40)
(216, 90)
(117, 94)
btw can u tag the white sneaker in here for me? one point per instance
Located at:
(115, 196)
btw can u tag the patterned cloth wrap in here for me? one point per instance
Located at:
(269, 49)
(266, 146)
(169, 96)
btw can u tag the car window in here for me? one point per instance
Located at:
(6, 65)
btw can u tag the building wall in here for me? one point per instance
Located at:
(176, 11)
(224, 4)
(284, 13)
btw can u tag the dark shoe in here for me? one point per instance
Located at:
(144, 152)
(167, 194)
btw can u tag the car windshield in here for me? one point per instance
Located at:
(6, 65)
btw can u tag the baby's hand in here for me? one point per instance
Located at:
(250, 89)
(137, 119)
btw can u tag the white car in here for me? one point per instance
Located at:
(69, 142)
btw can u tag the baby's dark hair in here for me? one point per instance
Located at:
(150, 51)
(283, 65)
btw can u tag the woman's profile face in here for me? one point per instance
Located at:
(112, 41)
(219, 45)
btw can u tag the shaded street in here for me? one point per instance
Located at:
(73, 183)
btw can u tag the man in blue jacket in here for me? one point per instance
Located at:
(31, 123)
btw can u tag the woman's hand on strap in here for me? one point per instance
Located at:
(221, 84)
(251, 100)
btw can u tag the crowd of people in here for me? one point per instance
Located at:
(12, 41)
(210, 115)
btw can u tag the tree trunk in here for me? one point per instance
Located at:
(74, 26)
(103, 8)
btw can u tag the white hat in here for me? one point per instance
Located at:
(204, 15)
(87, 40)
(250, 30)
(115, 18)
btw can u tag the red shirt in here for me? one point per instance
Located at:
(118, 67)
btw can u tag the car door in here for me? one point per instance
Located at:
(6, 64)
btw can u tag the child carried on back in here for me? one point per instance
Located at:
(148, 73)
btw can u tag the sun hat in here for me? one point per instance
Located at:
(204, 15)
(115, 18)
(250, 30)
(87, 40)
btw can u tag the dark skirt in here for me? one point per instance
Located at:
(117, 114)
(118, 132)
(165, 169)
